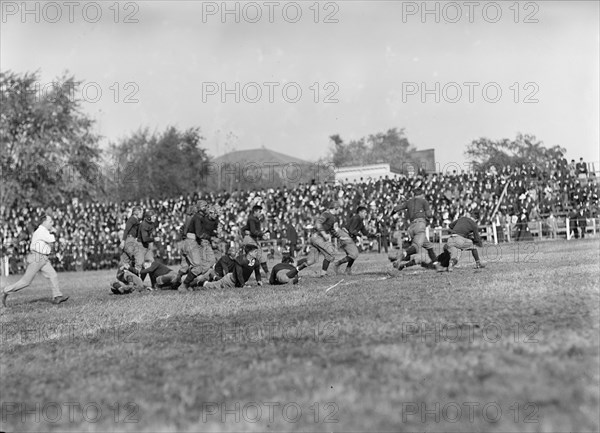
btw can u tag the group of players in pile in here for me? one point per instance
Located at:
(203, 265)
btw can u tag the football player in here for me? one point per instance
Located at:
(146, 239)
(127, 281)
(161, 276)
(320, 240)
(418, 210)
(350, 237)
(192, 250)
(279, 274)
(253, 234)
(130, 244)
(244, 265)
(465, 237)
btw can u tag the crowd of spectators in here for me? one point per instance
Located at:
(90, 233)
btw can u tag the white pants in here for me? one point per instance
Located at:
(36, 263)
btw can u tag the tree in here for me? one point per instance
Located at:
(48, 150)
(390, 147)
(525, 149)
(160, 164)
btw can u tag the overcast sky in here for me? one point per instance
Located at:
(377, 58)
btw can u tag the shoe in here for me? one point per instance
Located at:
(183, 288)
(323, 274)
(479, 265)
(348, 271)
(60, 299)
(295, 280)
(260, 283)
(4, 296)
(439, 267)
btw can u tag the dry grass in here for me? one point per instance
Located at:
(419, 352)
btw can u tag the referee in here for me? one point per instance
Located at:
(37, 261)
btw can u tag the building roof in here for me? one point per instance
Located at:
(258, 156)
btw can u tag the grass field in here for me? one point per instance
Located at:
(510, 348)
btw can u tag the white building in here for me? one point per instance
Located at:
(366, 172)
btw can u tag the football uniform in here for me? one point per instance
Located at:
(320, 245)
(418, 210)
(279, 274)
(161, 276)
(243, 269)
(464, 236)
(348, 238)
(253, 227)
(145, 238)
(131, 245)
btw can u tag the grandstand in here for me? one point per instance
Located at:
(92, 231)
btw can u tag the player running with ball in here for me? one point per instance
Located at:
(350, 237)
(418, 210)
(320, 241)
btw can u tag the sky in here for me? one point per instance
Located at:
(496, 69)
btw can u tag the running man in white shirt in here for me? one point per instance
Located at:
(37, 260)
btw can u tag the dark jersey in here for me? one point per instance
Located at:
(280, 267)
(186, 226)
(325, 223)
(224, 266)
(146, 233)
(465, 227)
(209, 228)
(155, 270)
(243, 270)
(197, 226)
(132, 228)
(417, 207)
(253, 226)
(356, 226)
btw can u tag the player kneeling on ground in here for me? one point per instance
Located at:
(281, 272)
(127, 281)
(464, 236)
(244, 265)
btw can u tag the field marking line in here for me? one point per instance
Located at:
(335, 285)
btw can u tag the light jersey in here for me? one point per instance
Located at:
(41, 241)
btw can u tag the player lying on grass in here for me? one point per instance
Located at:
(279, 274)
(349, 237)
(244, 265)
(127, 281)
(465, 237)
(161, 276)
